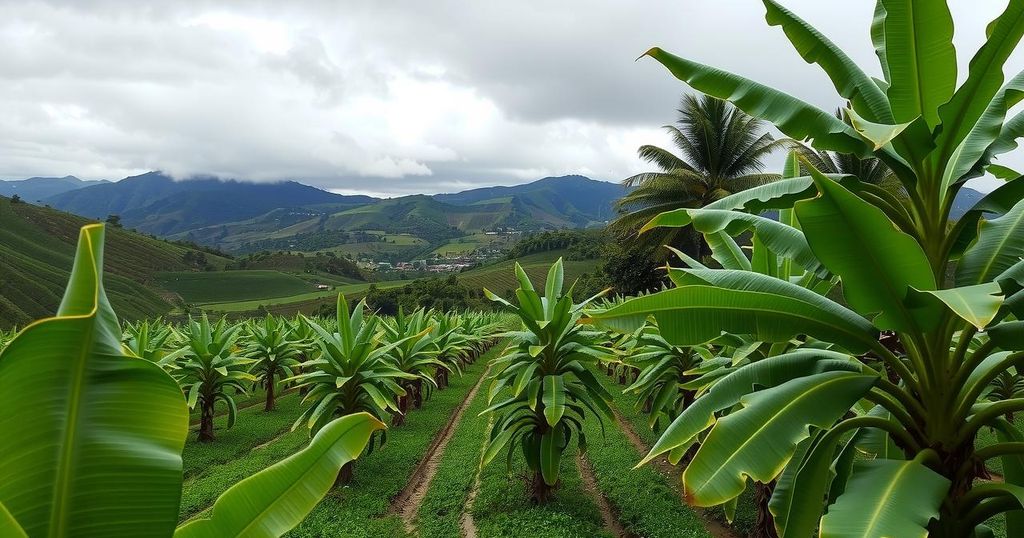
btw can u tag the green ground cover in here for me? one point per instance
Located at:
(226, 286)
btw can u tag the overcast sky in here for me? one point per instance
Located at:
(384, 97)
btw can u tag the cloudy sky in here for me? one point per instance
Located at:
(382, 97)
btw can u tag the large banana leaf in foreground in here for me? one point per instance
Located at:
(728, 391)
(91, 439)
(886, 498)
(758, 440)
(275, 500)
(770, 309)
(877, 262)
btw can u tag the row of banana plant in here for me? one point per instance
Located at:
(848, 358)
(77, 463)
(216, 361)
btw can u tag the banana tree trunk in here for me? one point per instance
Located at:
(206, 423)
(765, 525)
(271, 402)
(417, 394)
(540, 490)
(344, 475)
(403, 408)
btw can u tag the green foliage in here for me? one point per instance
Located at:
(276, 354)
(914, 398)
(112, 473)
(439, 293)
(550, 392)
(208, 367)
(352, 372)
(722, 152)
(581, 244)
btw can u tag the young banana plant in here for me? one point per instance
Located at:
(544, 377)
(209, 369)
(151, 340)
(415, 354)
(915, 347)
(93, 437)
(352, 374)
(276, 354)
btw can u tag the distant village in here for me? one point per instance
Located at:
(437, 263)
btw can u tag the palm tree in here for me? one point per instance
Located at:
(721, 152)
(276, 353)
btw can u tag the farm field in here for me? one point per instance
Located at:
(223, 286)
(354, 290)
(793, 319)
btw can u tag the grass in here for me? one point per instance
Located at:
(503, 509)
(252, 427)
(361, 510)
(469, 243)
(315, 297)
(646, 504)
(746, 511)
(37, 248)
(228, 286)
(441, 511)
(358, 510)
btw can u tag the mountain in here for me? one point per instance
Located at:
(156, 203)
(37, 248)
(565, 201)
(246, 217)
(35, 189)
(964, 201)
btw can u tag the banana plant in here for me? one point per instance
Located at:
(452, 346)
(665, 373)
(276, 354)
(413, 352)
(208, 367)
(76, 464)
(945, 338)
(546, 380)
(305, 339)
(150, 340)
(351, 375)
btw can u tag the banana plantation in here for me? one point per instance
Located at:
(840, 359)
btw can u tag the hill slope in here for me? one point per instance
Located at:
(37, 247)
(247, 217)
(156, 203)
(576, 201)
(36, 189)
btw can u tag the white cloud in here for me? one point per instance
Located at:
(385, 97)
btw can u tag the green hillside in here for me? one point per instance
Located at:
(500, 277)
(225, 286)
(37, 246)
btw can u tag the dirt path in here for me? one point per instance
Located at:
(715, 527)
(608, 513)
(407, 503)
